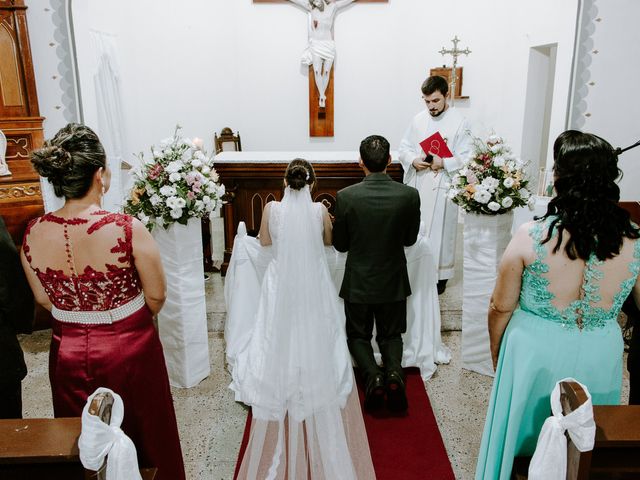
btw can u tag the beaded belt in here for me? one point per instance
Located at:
(101, 316)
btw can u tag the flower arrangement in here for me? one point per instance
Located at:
(492, 180)
(176, 184)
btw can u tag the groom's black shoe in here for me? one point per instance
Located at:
(441, 286)
(374, 398)
(396, 396)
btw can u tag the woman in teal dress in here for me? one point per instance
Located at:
(553, 313)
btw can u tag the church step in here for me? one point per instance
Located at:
(451, 319)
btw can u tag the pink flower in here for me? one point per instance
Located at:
(190, 178)
(191, 195)
(155, 171)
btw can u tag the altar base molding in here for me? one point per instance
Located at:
(485, 239)
(182, 322)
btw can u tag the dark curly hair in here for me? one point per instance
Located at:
(69, 160)
(299, 173)
(586, 202)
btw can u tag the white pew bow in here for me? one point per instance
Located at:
(549, 461)
(99, 439)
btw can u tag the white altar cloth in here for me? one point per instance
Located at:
(423, 345)
(286, 157)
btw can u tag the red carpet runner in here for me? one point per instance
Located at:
(402, 447)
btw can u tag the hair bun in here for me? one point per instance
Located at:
(297, 177)
(52, 161)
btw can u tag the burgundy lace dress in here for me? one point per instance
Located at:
(88, 352)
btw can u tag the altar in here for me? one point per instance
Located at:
(253, 179)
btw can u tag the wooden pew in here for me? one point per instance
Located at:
(616, 452)
(45, 448)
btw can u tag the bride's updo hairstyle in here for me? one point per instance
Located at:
(299, 173)
(69, 160)
(586, 202)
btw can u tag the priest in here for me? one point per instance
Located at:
(430, 174)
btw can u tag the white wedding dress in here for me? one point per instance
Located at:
(289, 359)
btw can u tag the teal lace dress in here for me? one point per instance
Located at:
(542, 345)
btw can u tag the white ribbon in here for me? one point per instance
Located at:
(549, 461)
(98, 440)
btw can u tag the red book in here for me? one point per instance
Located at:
(435, 145)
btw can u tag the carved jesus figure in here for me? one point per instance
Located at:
(321, 50)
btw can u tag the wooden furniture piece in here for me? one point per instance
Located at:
(20, 120)
(227, 137)
(616, 452)
(253, 182)
(37, 448)
(445, 72)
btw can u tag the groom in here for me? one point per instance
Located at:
(374, 221)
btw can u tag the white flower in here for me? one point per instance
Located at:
(496, 148)
(196, 163)
(524, 193)
(531, 203)
(221, 190)
(507, 202)
(494, 206)
(175, 203)
(494, 139)
(168, 190)
(174, 166)
(453, 193)
(206, 199)
(508, 182)
(160, 221)
(499, 161)
(206, 169)
(490, 183)
(462, 172)
(199, 155)
(174, 177)
(482, 196)
(155, 199)
(176, 213)
(187, 142)
(198, 205)
(214, 176)
(156, 153)
(143, 218)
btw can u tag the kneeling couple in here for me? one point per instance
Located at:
(293, 368)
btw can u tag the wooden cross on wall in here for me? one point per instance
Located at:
(320, 83)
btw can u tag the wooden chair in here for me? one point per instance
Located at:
(36, 448)
(616, 452)
(227, 139)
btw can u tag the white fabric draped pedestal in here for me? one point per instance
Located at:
(485, 239)
(182, 322)
(423, 345)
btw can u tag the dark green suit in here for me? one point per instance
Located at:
(374, 221)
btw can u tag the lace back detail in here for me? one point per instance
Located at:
(93, 288)
(584, 312)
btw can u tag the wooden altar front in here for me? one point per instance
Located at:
(252, 179)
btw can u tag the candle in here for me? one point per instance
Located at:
(198, 143)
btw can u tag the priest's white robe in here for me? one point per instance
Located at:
(439, 214)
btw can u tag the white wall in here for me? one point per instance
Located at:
(207, 64)
(612, 102)
(45, 45)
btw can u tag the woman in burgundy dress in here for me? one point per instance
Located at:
(100, 275)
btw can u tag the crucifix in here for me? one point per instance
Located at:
(319, 56)
(455, 53)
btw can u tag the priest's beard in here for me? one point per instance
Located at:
(436, 113)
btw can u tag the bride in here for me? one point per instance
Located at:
(293, 366)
